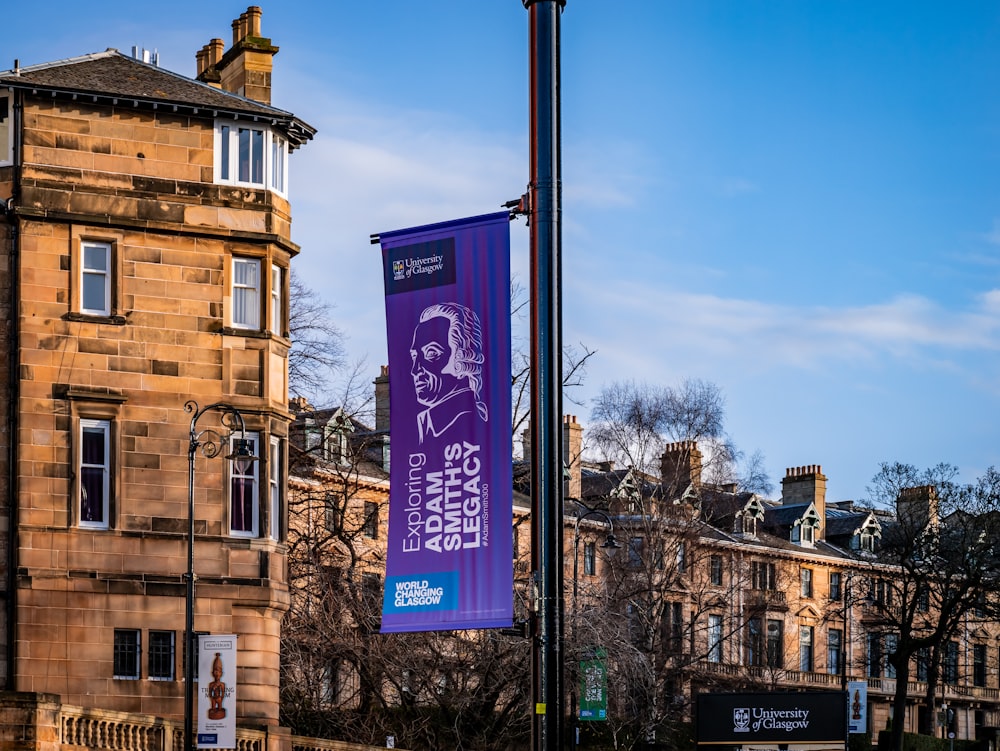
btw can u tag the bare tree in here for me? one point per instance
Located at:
(938, 565)
(343, 679)
(318, 351)
(574, 366)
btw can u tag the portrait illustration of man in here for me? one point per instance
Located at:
(447, 367)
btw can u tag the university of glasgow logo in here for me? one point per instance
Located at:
(398, 270)
(741, 720)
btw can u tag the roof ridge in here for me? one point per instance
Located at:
(110, 51)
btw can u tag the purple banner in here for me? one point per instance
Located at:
(447, 303)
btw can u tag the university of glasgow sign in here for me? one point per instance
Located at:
(771, 717)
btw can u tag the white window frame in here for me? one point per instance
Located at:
(104, 427)
(253, 529)
(274, 489)
(277, 297)
(94, 272)
(246, 315)
(6, 126)
(269, 161)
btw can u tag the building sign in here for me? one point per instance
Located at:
(857, 707)
(447, 300)
(771, 718)
(594, 687)
(217, 691)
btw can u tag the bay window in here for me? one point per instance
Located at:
(250, 154)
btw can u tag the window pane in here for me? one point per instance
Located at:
(278, 163)
(244, 147)
(276, 290)
(246, 293)
(161, 655)
(274, 481)
(126, 654)
(224, 136)
(95, 278)
(243, 496)
(257, 157)
(94, 472)
(251, 149)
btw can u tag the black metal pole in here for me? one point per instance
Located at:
(544, 215)
(189, 744)
(211, 444)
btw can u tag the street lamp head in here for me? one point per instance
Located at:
(610, 545)
(242, 454)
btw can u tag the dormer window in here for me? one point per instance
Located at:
(867, 535)
(251, 155)
(748, 516)
(804, 530)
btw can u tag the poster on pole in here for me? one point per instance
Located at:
(447, 300)
(217, 691)
(594, 686)
(857, 707)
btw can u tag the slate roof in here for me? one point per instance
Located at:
(111, 77)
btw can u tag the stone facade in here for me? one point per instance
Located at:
(133, 178)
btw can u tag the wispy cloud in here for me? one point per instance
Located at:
(711, 332)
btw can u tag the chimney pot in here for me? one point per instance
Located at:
(253, 21)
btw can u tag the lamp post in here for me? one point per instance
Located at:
(610, 546)
(210, 443)
(544, 203)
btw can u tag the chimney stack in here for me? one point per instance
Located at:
(382, 399)
(680, 467)
(245, 69)
(806, 484)
(572, 448)
(918, 507)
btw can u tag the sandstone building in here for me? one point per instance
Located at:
(145, 247)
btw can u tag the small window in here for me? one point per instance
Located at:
(161, 655)
(681, 558)
(246, 293)
(805, 649)
(715, 570)
(370, 526)
(95, 473)
(763, 575)
(589, 559)
(715, 638)
(807, 582)
(834, 646)
(277, 314)
(274, 489)
(835, 590)
(127, 651)
(754, 643)
(978, 664)
(244, 508)
(635, 552)
(331, 515)
(95, 278)
(6, 131)
(775, 644)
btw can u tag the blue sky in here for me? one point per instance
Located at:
(798, 201)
